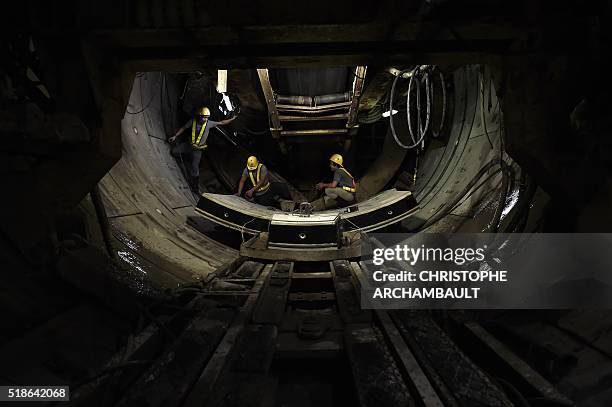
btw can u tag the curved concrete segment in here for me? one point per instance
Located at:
(147, 200)
(234, 212)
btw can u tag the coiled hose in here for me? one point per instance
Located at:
(421, 130)
(391, 122)
(429, 93)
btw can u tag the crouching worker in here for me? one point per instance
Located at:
(341, 191)
(262, 192)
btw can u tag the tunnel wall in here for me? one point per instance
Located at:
(384, 167)
(146, 198)
(445, 170)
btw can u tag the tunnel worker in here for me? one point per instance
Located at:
(262, 191)
(200, 128)
(341, 191)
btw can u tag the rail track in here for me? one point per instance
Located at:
(294, 334)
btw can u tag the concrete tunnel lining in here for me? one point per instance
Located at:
(147, 200)
(473, 140)
(81, 260)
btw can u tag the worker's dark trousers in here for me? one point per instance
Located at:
(270, 198)
(193, 155)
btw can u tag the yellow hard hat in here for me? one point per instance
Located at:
(337, 159)
(252, 163)
(203, 111)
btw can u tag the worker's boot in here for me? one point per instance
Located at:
(286, 206)
(343, 203)
(330, 203)
(318, 205)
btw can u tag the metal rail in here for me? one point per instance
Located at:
(204, 386)
(299, 310)
(410, 366)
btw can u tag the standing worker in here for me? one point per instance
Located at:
(263, 192)
(200, 128)
(343, 186)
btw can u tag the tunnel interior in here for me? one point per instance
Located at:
(146, 194)
(113, 283)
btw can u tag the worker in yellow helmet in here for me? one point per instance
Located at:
(342, 189)
(262, 191)
(200, 126)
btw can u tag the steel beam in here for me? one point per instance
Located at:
(342, 116)
(313, 108)
(495, 29)
(315, 132)
(264, 79)
(358, 82)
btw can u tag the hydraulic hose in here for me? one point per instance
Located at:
(393, 132)
(422, 129)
